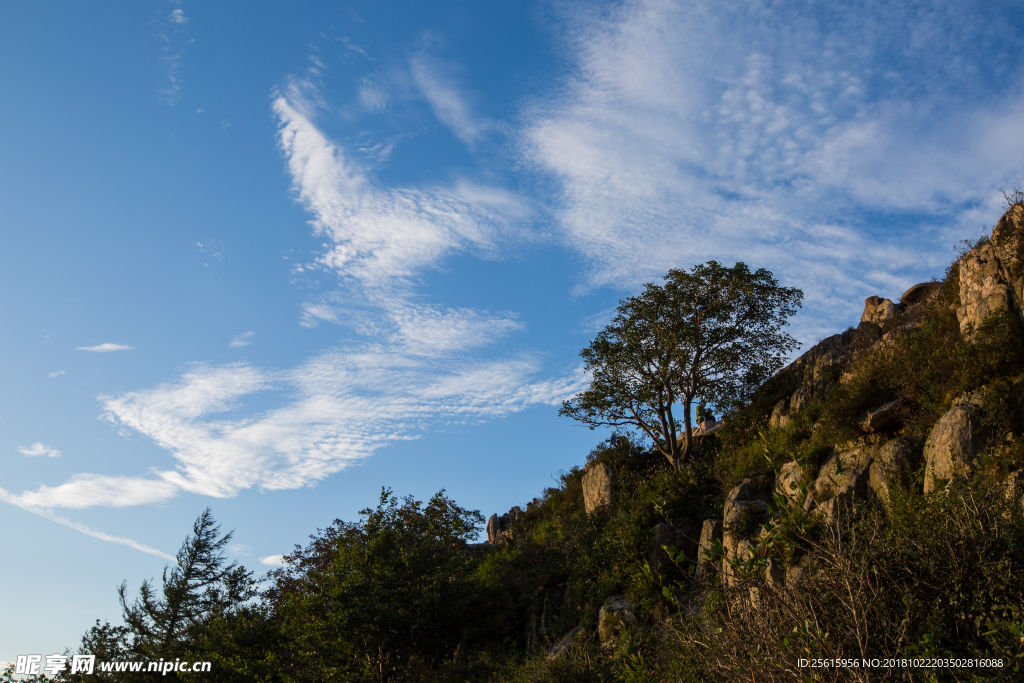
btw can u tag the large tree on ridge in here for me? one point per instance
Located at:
(712, 335)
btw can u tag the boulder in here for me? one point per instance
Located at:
(883, 417)
(919, 293)
(788, 482)
(514, 513)
(949, 451)
(779, 416)
(877, 310)
(891, 466)
(682, 534)
(597, 487)
(616, 613)
(710, 532)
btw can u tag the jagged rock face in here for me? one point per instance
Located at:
(844, 474)
(615, 614)
(949, 451)
(710, 532)
(891, 465)
(818, 370)
(597, 487)
(990, 275)
(877, 310)
(789, 480)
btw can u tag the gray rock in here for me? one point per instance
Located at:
(562, 646)
(710, 532)
(789, 481)
(883, 417)
(779, 412)
(616, 613)
(990, 274)
(949, 451)
(493, 527)
(877, 310)
(682, 534)
(800, 399)
(843, 476)
(745, 501)
(513, 514)
(597, 487)
(891, 465)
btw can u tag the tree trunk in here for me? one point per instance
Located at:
(688, 447)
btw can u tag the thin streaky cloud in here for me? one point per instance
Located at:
(274, 561)
(241, 340)
(446, 98)
(106, 348)
(7, 497)
(56, 373)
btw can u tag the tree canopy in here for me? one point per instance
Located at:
(711, 335)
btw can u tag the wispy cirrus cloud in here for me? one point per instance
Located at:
(241, 340)
(781, 135)
(447, 98)
(106, 348)
(56, 373)
(414, 366)
(37, 449)
(380, 235)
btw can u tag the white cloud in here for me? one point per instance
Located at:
(446, 98)
(418, 365)
(382, 235)
(57, 373)
(371, 96)
(106, 348)
(777, 135)
(38, 449)
(274, 561)
(241, 340)
(178, 17)
(7, 497)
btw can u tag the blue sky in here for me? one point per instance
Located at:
(270, 258)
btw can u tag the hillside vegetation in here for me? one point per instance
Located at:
(864, 505)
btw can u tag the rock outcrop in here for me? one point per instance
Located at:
(788, 482)
(597, 486)
(877, 310)
(817, 372)
(991, 274)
